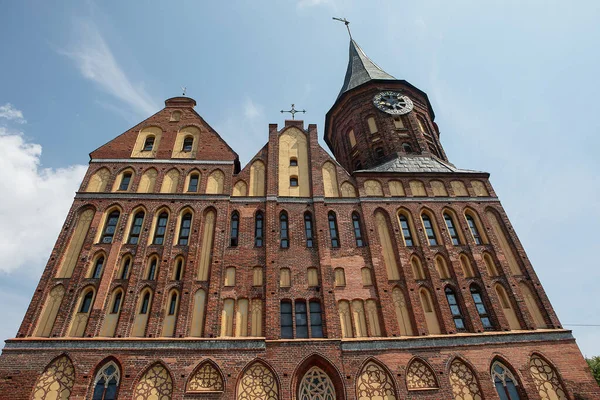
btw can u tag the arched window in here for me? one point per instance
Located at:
(184, 229)
(452, 229)
(152, 269)
(86, 302)
(352, 139)
(116, 306)
(333, 230)
(419, 376)
(417, 268)
(308, 229)
(149, 143)
(505, 382)
(178, 269)
(106, 382)
(481, 310)
(293, 162)
(406, 233)
(357, 231)
(429, 230)
(316, 385)
(193, 183)
(145, 303)
(97, 272)
(57, 380)
(431, 319)
(467, 268)
(464, 382)
(205, 379)
(507, 307)
(188, 143)
(125, 180)
(234, 229)
(372, 125)
(110, 226)
(126, 266)
(345, 319)
(340, 277)
(442, 267)
(284, 239)
(257, 276)
(455, 309)
(161, 228)
(156, 383)
(407, 148)
(258, 229)
(490, 265)
(474, 230)
(143, 312)
(379, 152)
(293, 181)
(375, 383)
(287, 325)
(136, 227)
(258, 381)
(173, 304)
(546, 379)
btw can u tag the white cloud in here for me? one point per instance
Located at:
(311, 3)
(251, 109)
(10, 113)
(34, 203)
(96, 62)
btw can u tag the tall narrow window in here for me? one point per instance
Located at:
(406, 234)
(308, 229)
(152, 269)
(193, 184)
(125, 180)
(110, 227)
(173, 304)
(333, 230)
(116, 303)
(97, 273)
(178, 270)
(357, 230)
(86, 303)
(258, 229)
(284, 239)
(161, 228)
(136, 227)
(455, 309)
(184, 229)
(145, 303)
(481, 310)
(429, 230)
(451, 229)
(126, 267)
(106, 383)
(187, 144)
(287, 325)
(474, 230)
(234, 229)
(149, 143)
(316, 321)
(301, 319)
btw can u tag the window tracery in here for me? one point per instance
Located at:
(155, 384)
(258, 383)
(205, 379)
(464, 383)
(57, 380)
(546, 379)
(106, 382)
(374, 383)
(420, 376)
(505, 382)
(316, 385)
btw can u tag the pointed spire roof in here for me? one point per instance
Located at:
(361, 69)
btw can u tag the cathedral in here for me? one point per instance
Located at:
(382, 273)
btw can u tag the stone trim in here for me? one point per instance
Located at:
(150, 196)
(160, 161)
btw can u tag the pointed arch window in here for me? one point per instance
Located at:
(505, 382)
(136, 227)
(97, 273)
(333, 230)
(429, 230)
(452, 229)
(193, 184)
(116, 306)
(125, 180)
(161, 228)
(152, 269)
(316, 385)
(188, 143)
(455, 309)
(258, 229)
(86, 302)
(149, 143)
(308, 229)
(145, 303)
(110, 227)
(106, 383)
(406, 234)
(234, 229)
(287, 325)
(126, 267)
(184, 229)
(357, 231)
(474, 230)
(481, 310)
(178, 270)
(173, 304)
(284, 239)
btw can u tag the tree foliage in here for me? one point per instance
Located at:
(594, 364)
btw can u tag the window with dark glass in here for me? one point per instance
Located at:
(504, 382)
(234, 229)
(357, 230)
(184, 229)
(187, 144)
(455, 309)
(152, 269)
(86, 303)
(126, 266)
(98, 268)
(287, 325)
(452, 229)
(474, 230)
(429, 230)
(293, 181)
(145, 303)
(379, 152)
(173, 304)
(301, 319)
(178, 269)
(293, 162)
(408, 240)
(149, 143)
(316, 321)
(358, 165)
(407, 148)
(117, 303)
(483, 314)
(161, 228)
(308, 229)
(136, 227)
(125, 181)
(258, 229)
(110, 227)
(284, 239)
(333, 230)
(193, 185)
(107, 383)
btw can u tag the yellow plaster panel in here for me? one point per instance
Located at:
(188, 131)
(330, 183)
(138, 149)
(293, 143)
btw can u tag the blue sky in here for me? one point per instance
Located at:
(514, 86)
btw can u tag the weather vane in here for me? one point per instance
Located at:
(293, 111)
(346, 22)
(184, 88)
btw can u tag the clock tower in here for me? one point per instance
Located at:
(377, 118)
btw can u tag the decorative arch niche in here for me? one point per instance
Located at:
(206, 378)
(155, 384)
(374, 382)
(315, 377)
(258, 381)
(56, 381)
(464, 382)
(420, 376)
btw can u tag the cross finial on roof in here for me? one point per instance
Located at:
(184, 88)
(346, 22)
(293, 111)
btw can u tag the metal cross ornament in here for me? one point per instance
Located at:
(184, 89)
(293, 111)
(346, 22)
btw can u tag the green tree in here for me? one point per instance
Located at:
(594, 364)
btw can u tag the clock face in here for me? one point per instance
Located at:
(393, 103)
